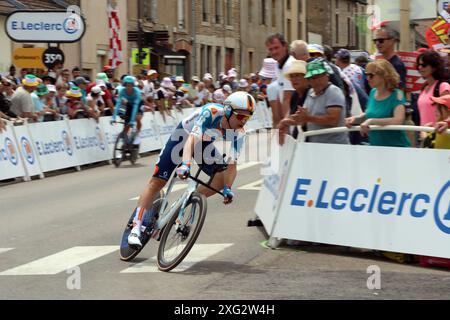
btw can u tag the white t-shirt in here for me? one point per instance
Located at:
(272, 91)
(283, 83)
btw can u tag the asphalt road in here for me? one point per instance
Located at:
(59, 239)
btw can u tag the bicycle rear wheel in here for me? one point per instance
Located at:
(119, 149)
(179, 236)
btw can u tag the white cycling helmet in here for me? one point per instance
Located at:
(239, 101)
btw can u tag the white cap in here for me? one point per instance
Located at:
(51, 88)
(97, 90)
(227, 88)
(243, 83)
(232, 74)
(101, 83)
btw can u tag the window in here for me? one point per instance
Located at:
(289, 30)
(208, 59)
(337, 27)
(250, 10)
(263, 12)
(229, 12)
(218, 61)
(149, 8)
(300, 6)
(202, 59)
(300, 30)
(274, 13)
(218, 11)
(250, 61)
(229, 59)
(205, 10)
(181, 15)
(288, 4)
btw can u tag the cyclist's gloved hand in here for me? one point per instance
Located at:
(113, 120)
(228, 195)
(184, 170)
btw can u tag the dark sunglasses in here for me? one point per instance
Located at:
(370, 75)
(381, 40)
(242, 117)
(423, 65)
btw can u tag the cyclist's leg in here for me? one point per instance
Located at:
(211, 157)
(169, 158)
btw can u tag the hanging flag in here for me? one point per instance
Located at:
(115, 44)
(437, 34)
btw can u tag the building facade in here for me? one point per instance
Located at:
(337, 23)
(259, 18)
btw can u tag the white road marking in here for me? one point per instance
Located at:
(179, 187)
(2, 250)
(61, 261)
(197, 254)
(254, 186)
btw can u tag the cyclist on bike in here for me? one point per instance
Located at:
(130, 97)
(199, 130)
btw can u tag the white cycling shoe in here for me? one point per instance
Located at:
(133, 238)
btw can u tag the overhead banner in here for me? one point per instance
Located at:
(11, 165)
(90, 141)
(54, 145)
(28, 151)
(368, 197)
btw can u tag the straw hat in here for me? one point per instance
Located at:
(297, 66)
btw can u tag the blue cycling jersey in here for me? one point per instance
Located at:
(207, 122)
(131, 101)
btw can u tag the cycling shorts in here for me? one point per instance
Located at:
(129, 112)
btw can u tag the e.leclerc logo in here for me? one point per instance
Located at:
(71, 25)
(93, 141)
(376, 200)
(27, 150)
(45, 148)
(8, 152)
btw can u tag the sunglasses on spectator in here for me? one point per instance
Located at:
(423, 65)
(242, 117)
(370, 75)
(381, 40)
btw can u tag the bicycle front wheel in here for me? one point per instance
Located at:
(179, 236)
(119, 149)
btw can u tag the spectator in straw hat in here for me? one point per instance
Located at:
(324, 107)
(21, 102)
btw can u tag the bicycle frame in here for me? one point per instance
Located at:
(164, 216)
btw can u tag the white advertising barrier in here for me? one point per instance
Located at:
(275, 176)
(111, 132)
(266, 114)
(11, 165)
(382, 198)
(54, 145)
(165, 128)
(28, 151)
(185, 112)
(150, 139)
(90, 141)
